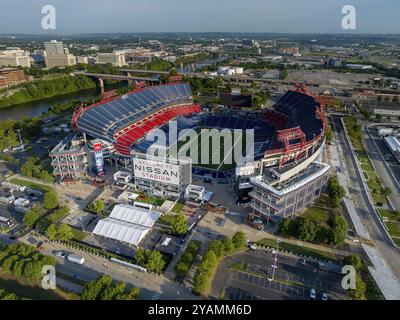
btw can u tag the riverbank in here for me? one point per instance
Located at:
(43, 89)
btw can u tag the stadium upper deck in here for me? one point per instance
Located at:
(124, 120)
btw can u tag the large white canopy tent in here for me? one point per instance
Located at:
(127, 224)
(135, 215)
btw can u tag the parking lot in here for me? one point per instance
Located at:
(292, 279)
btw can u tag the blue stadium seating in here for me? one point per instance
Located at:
(104, 120)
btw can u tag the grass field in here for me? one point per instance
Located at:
(31, 185)
(320, 216)
(178, 207)
(393, 228)
(166, 219)
(295, 249)
(78, 234)
(389, 214)
(225, 158)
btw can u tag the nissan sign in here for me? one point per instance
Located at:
(156, 171)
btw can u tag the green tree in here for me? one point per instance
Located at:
(335, 190)
(228, 245)
(307, 230)
(387, 191)
(239, 240)
(155, 261)
(97, 206)
(329, 134)
(338, 230)
(64, 232)
(353, 260)
(32, 216)
(151, 260)
(359, 292)
(179, 224)
(51, 232)
(50, 200)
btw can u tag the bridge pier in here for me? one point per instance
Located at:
(130, 82)
(101, 84)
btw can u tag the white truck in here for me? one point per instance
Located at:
(75, 259)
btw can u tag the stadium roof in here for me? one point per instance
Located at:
(135, 215)
(121, 231)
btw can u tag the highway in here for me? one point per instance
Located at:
(380, 165)
(364, 208)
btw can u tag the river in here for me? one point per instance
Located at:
(36, 108)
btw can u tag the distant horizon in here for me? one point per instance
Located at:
(192, 16)
(47, 33)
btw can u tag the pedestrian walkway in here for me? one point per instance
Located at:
(156, 295)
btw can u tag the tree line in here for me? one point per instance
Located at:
(41, 89)
(23, 261)
(217, 249)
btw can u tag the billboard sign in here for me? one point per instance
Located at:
(156, 171)
(98, 157)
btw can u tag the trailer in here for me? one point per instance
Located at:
(75, 259)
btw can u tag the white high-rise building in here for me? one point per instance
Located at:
(54, 47)
(14, 57)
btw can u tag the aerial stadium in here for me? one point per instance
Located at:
(288, 139)
(285, 132)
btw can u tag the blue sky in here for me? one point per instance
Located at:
(285, 16)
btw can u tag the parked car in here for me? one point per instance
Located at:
(324, 296)
(60, 254)
(312, 294)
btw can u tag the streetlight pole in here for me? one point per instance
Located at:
(19, 135)
(274, 266)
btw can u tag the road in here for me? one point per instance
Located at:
(363, 206)
(152, 287)
(380, 165)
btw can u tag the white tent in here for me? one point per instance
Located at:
(134, 215)
(121, 231)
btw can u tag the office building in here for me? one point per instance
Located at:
(54, 47)
(59, 60)
(14, 57)
(116, 58)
